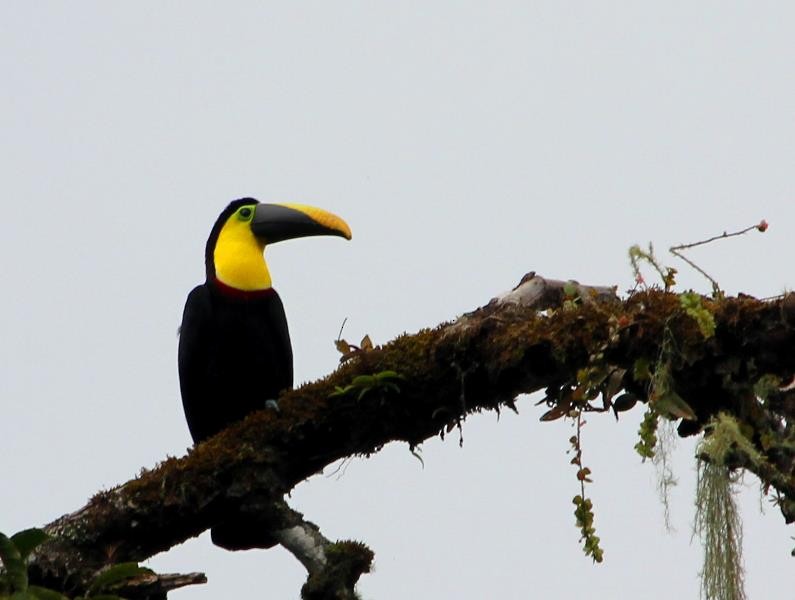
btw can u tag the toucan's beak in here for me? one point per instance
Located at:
(278, 222)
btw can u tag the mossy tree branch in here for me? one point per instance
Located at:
(482, 361)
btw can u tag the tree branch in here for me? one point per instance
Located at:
(482, 361)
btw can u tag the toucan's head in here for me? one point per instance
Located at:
(234, 254)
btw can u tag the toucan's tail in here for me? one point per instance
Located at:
(241, 534)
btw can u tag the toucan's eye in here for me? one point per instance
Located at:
(245, 213)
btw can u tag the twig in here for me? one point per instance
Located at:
(676, 250)
(153, 585)
(339, 335)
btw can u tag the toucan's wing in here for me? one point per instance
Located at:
(193, 357)
(282, 347)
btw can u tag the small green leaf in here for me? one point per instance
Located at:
(386, 375)
(41, 593)
(570, 289)
(16, 571)
(364, 381)
(672, 405)
(766, 385)
(363, 384)
(641, 370)
(28, 540)
(116, 574)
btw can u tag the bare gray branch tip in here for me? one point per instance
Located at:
(534, 291)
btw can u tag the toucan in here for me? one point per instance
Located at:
(234, 352)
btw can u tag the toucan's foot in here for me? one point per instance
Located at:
(272, 405)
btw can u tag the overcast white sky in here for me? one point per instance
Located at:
(465, 143)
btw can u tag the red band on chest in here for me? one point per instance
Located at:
(228, 290)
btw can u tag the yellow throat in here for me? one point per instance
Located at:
(238, 257)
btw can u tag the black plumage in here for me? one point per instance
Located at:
(234, 355)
